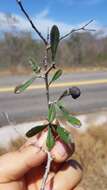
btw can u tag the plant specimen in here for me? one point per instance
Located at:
(53, 126)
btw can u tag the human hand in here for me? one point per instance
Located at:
(24, 169)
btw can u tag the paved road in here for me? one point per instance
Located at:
(30, 105)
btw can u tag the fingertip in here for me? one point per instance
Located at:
(76, 168)
(15, 164)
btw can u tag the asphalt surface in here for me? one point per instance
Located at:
(31, 105)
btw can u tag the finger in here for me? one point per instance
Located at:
(15, 165)
(67, 178)
(37, 140)
(35, 176)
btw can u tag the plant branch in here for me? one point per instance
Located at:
(46, 82)
(46, 76)
(87, 23)
(49, 158)
(47, 88)
(31, 22)
(73, 31)
(50, 68)
(78, 29)
(47, 170)
(47, 70)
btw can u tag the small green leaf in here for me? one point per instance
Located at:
(23, 87)
(35, 130)
(64, 134)
(62, 108)
(54, 40)
(51, 112)
(71, 119)
(50, 142)
(35, 67)
(56, 75)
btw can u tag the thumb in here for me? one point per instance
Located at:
(14, 165)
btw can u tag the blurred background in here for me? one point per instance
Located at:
(83, 58)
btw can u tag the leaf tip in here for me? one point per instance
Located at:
(16, 90)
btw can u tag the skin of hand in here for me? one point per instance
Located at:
(24, 168)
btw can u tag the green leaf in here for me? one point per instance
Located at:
(56, 75)
(50, 142)
(62, 108)
(51, 112)
(64, 134)
(54, 40)
(35, 130)
(23, 87)
(71, 119)
(35, 67)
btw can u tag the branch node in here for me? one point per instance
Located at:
(78, 29)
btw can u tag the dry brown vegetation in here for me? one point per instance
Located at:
(14, 145)
(81, 50)
(91, 152)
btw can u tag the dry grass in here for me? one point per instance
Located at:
(73, 69)
(91, 152)
(14, 145)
